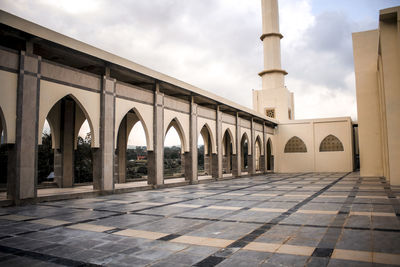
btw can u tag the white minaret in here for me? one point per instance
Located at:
(274, 100)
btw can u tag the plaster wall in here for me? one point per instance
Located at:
(365, 46)
(8, 103)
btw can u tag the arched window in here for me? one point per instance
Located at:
(295, 145)
(331, 143)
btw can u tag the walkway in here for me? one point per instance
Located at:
(333, 219)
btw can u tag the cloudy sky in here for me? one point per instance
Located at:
(215, 45)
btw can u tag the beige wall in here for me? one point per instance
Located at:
(312, 132)
(8, 102)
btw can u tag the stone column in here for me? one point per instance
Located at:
(23, 155)
(236, 159)
(67, 143)
(121, 158)
(263, 161)
(217, 158)
(103, 158)
(155, 161)
(251, 158)
(191, 156)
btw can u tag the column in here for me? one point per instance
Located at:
(121, 152)
(251, 158)
(103, 158)
(23, 155)
(217, 158)
(67, 144)
(263, 159)
(156, 157)
(236, 159)
(191, 156)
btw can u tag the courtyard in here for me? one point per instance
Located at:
(298, 219)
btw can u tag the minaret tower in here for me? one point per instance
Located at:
(274, 100)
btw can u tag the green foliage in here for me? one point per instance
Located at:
(83, 160)
(172, 161)
(45, 158)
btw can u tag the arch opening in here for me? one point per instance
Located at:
(131, 153)
(204, 151)
(270, 156)
(244, 145)
(65, 146)
(3, 151)
(227, 152)
(257, 153)
(174, 160)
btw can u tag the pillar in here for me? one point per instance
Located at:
(156, 157)
(264, 149)
(191, 156)
(217, 158)
(103, 158)
(66, 159)
(251, 158)
(23, 155)
(122, 143)
(236, 159)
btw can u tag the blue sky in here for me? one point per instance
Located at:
(214, 44)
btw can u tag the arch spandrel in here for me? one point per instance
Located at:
(331, 144)
(89, 102)
(142, 111)
(232, 134)
(210, 133)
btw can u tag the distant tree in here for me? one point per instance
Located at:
(45, 158)
(83, 160)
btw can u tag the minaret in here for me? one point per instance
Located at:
(274, 100)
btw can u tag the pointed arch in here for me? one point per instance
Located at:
(260, 144)
(142, 121)
(54, 103)
(206, 126)
(330, 144)
(3, 126)
(228, 131)
(179, 129)
(270, 156)
(295, 145)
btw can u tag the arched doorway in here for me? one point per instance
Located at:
(227, 152)
(244, 145)
(270, 156)
(204, 149)
(67, 133)
(131, 152)
(174, 160)
(257, 154)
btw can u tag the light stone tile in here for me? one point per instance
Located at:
(296, 195)
(90, 227)
(151, 203)
(268, 210)
(203, 241)
(233, 194)
(140, 234)
(262, 247)
(15, 217)
(317, 211)
(119, 201)
(50, 222)
(224, 208)
(185, 205)
(374, 197)
(264, 195)
(332, 196)
(369, 213)
(296, 250)
(204, 193)
(354, 255)
(386, 258)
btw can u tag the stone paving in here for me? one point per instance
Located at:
(303, 219)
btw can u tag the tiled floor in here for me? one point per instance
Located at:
(326, 219)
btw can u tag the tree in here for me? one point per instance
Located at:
(83, 160)
(45, 158)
